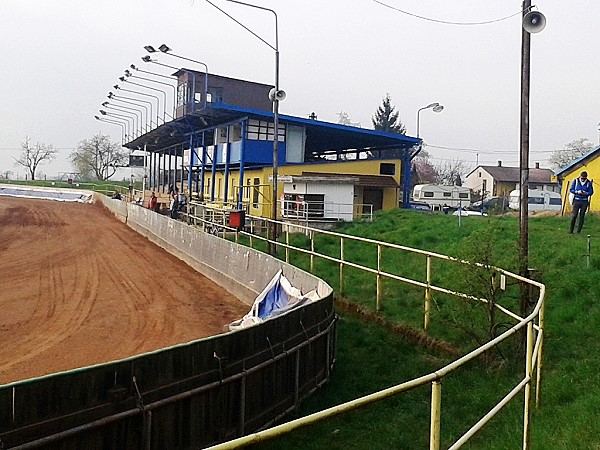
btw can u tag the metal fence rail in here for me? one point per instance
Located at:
(532, 323)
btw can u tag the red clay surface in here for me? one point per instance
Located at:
(78, 287)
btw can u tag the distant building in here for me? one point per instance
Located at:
(591, 164)
(219, 150)
(499, 181)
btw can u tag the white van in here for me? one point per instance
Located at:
(538, 200)
(438, 196)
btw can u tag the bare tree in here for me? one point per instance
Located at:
(451, 172)
(33, 156)
(98, 157)
(571, 151)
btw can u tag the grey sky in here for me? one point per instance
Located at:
(60, 59)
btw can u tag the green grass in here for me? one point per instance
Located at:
(371, 358)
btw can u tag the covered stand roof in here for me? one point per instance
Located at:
(321, 137)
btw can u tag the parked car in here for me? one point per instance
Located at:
(420, 206)
(491, 204)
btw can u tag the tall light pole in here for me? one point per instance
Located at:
(165, 114)
(127, 110)
(114, 122)
(275, 95)
(436, 107)
(164, 48)
(130, 75)
(533, 22)
(117, 87)
(123, 99)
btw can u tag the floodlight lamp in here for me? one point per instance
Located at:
(102, 112)
(122, 79)
(432, 105)
(127, 73)
(164, 48)
(105, 103)
(133, 67)
(146, 58)
(149, 49)
(438, 108)
(110, 95)
(96, 117)
(116, 86)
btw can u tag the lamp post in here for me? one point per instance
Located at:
(275, 95)
(119, 117)
(119, 98)
(164, 48)
(137, 69)
(165, 114)
(114, 122)
(436, 107)
(130, 75)
(116, 86)
(126, 110)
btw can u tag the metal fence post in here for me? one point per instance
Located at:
(427, 294)
(341, 267)
(312, 251)
(378, 277)
(436, 413)
(528, 370)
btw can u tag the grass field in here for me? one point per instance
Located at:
(371, 358)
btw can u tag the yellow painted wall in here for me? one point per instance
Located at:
(359, 167)
(593, 170)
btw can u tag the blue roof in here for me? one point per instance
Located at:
(579, 162)
(320, 136)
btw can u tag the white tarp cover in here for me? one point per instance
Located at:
(64, 195)
(278, 297)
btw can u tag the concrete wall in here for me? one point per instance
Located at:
(242, 271)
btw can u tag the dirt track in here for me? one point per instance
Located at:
(78, 287)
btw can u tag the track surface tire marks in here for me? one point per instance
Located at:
(78, 287)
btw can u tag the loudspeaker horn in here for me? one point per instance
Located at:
(276, 95)
(534, 22)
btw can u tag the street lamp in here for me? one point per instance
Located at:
(120, 98)
(114, 122)
(130, 75)
(126, 110)
(275, 95)
(164, 48)
(116, 86)
(436, 107)
(165, 114)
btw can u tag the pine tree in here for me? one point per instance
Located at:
(386, 118)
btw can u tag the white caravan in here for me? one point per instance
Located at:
(538, 200)
(438, 196)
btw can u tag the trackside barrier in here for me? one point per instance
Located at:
(191, 395)
(533, 324)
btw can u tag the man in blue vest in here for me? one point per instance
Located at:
(582, 189)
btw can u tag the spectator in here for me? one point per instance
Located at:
(582, 190)
(153, 203)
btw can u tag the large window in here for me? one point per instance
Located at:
(261, 130)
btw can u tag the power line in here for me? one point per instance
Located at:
(444, 21)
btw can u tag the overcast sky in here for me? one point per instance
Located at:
(60, 58)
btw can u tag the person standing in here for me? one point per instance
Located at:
(153, 203)
(582, 189)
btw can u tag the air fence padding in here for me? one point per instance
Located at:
(191, 395)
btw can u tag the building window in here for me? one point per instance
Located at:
(220, 135)
(463, 195)
(261, 130)
(255, 192)
(447, 194)
(427, 194)
(182, 94)
(215, 95)
(387, 169)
